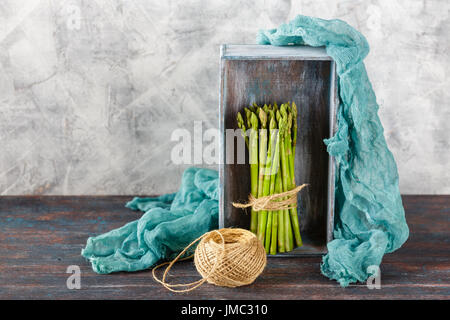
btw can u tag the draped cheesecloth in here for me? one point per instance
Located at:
(369, 217)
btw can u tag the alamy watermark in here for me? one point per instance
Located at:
(198, 147)
(374, 280)
(74, 280)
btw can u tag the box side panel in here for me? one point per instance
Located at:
(221, 142)
(334, 105)
(307, 83)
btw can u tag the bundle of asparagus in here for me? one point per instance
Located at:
(270, 133)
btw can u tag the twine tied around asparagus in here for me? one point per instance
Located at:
(274, 202)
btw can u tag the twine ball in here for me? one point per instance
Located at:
(230, 257)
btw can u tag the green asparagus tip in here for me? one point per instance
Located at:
(289, 121)
(275, 107)
(270, 116)
(239, 118)
(263, 118)
(273, 122)
(240, 122)
(289, 108)
(283, 111)
(282, 126)
(248, 115)
(294, 110)
(254, 121)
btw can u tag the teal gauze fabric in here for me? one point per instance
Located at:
(369, 216)
(169, 224)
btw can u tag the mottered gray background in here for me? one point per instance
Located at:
(91, 91)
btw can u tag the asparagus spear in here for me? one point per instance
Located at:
(273, 240)
(272, 168)
(285, 179)
(264, 171)
(262, 158)
(241, 125)
(271, 236)
(248, 116)
(253, 154)
(281, 231)
(289, 150)
(294, 127)
(290, 173)
(294, 145)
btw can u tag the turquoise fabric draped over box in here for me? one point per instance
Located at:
(369, 218)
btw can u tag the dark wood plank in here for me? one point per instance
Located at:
(41, 236)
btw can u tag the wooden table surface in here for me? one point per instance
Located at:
(41, 236)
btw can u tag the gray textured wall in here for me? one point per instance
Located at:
(90, 91)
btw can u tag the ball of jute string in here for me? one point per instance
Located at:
(228, 257)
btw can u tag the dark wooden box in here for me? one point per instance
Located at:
(267, 74)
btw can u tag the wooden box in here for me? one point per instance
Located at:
(267, 74)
